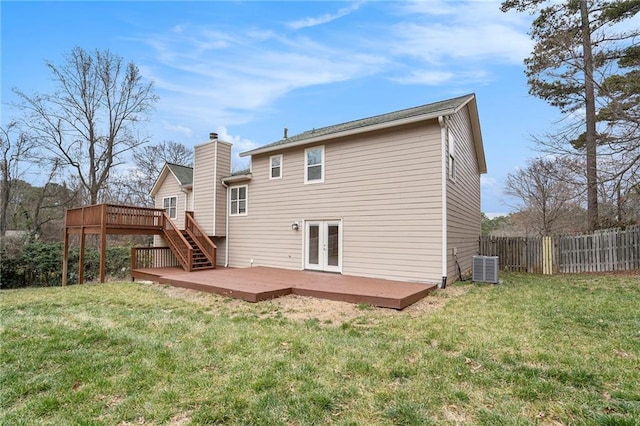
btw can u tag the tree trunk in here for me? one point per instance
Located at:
(5, 194)
(590, 111)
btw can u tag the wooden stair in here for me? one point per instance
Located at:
(199, 259)
(191, 246)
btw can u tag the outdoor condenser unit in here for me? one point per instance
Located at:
(485, 269)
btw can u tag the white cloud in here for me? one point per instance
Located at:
(437, 42)
(324, 19)
(177, 128)
(436, 31)
(430, 78)
(240, 144)
(488, 181)
(197, 82)
(462, 40)
(229, 75)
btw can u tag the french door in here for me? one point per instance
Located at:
(323, 245)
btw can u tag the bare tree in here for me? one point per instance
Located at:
(149, 160)
(15, 148)
(90, 119)
(549, 194)
(134, 187)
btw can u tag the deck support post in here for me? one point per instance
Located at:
(103, 219)
(103, 243)
(65, 257)
(81, 257)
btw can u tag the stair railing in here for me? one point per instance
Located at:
(178, 243)
(200, 238)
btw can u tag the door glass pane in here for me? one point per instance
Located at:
(333, 245)
(314, 233)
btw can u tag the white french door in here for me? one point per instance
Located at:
(323, 245)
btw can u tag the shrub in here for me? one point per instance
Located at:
(27, 263)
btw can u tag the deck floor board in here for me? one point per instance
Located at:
(263, 283)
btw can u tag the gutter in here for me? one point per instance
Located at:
(235, 178)
(443, 191)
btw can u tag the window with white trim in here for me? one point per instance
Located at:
(275, 166)
(170, 205)
(452, 155)
(238, 200)
(314, 164)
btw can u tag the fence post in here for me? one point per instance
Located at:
(547, 256)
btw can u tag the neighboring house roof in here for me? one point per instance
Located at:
(405, 116)
(238, 176)
(182, 174)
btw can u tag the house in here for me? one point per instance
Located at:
(394, 196)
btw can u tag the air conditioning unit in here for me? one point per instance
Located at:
(485, 269)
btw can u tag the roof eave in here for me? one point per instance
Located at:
(351, 132)
(477, 134)
(236, 178)
(157, 184)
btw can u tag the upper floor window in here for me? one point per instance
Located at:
(452, 155)
(238, 200)
(314, 164)
(170, 205)
(275, 166)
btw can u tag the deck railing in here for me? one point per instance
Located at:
(115, 216)
(200, 238)
(179, 245)
(153, 257)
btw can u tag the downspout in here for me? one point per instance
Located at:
(226, 226)
(443, 191)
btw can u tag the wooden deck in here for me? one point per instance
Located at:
(262, 283)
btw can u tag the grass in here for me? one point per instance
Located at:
(534, 350)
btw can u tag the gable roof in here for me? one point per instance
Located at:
(182, 174)
(405, 116)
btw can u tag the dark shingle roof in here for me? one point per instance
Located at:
(431, 110)
(182, 173)
(241, 172)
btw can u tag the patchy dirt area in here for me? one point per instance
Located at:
(300, 308)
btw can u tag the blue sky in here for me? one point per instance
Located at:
(248, 69)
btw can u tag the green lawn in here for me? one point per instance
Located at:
(533, 350)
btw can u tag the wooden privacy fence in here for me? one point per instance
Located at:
(605, 250)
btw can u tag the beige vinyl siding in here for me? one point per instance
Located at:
(223, 169)
(212, 163)
(171, 188)
(203, 185)
(384, 186)
(463, 198)
(220, 250)
(158, 241)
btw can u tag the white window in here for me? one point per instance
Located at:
(170, 205)
(452, 155)
(314, 164)
(238, 200)
(275, 166)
